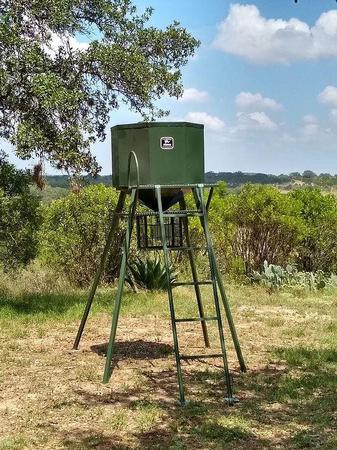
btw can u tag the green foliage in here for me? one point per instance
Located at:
(317, 249)
(19, 223)
(74, 233)
(19, 216)
(272, 276)
(13, 181)
(275, 277)
(250, 226)
(149, 274)
(57, 93)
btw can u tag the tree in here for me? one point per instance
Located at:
(317, 249)
(74, 233)
(56, 93)
(19, 216)
(308, 174)
(265, 225)
(13, 181)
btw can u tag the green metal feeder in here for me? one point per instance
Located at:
(157, 163)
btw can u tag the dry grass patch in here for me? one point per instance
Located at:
(52, 397)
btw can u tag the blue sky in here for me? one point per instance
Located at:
(264, 83)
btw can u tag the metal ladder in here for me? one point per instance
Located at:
(200, 211)
(215, 281)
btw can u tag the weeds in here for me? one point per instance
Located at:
(52, 397)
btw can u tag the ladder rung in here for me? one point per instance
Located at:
(177, 213)
(186, 248)
(191, 283)
(173, 215)
(197, 319)
(183, 212)
(216, 355)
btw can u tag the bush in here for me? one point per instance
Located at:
(258, 224)
(74, 233)
(317, 249)
(19, 216)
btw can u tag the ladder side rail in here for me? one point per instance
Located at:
(121, 282)
(170, 296)
(227, 308)
(199, 194)
(182, 204)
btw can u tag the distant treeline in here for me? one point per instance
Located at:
(232, 179)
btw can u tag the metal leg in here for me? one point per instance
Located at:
(228, 314)
(121, 280)
(170, 297)
(113, 228)
(200, 204)
(182, 204)
(226, 307)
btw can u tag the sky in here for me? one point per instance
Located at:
(263, 82)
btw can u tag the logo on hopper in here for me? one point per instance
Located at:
(166, 143)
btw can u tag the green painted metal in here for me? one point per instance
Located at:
(170, 297)
(196, 283)
(215, 281)
(121, 281)
(225, 301)
(113, 228)
(229, 315)
(199, 198)
(180, 165)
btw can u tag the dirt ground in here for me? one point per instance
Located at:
(52, 397)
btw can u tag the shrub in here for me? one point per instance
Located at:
(258, 224)
(317, 249)
(74, 233)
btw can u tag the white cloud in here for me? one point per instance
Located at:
(194, 95)
(309, 119)
(328, 96)
(56, 41)
(211, 122)
(255, 121)
(246, 33)
(310, 127)
(333, 116)
(256, 102)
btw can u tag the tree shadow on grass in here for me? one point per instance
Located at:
(49, 304)
(89, 439)
(138, 349)
(297, 392)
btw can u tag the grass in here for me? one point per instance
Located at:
(52, 397)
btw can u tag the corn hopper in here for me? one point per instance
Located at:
(156, 164)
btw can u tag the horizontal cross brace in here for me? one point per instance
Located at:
(178, 213)
(197, 319)
(216, 355)
(191, 283)
(183, 214)
(185, 248)
(168, 186)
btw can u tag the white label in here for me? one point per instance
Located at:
(166, 143)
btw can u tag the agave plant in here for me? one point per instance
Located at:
(149, 274)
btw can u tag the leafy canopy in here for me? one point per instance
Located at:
(56, 93)
(19, 216)
(12, 180)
